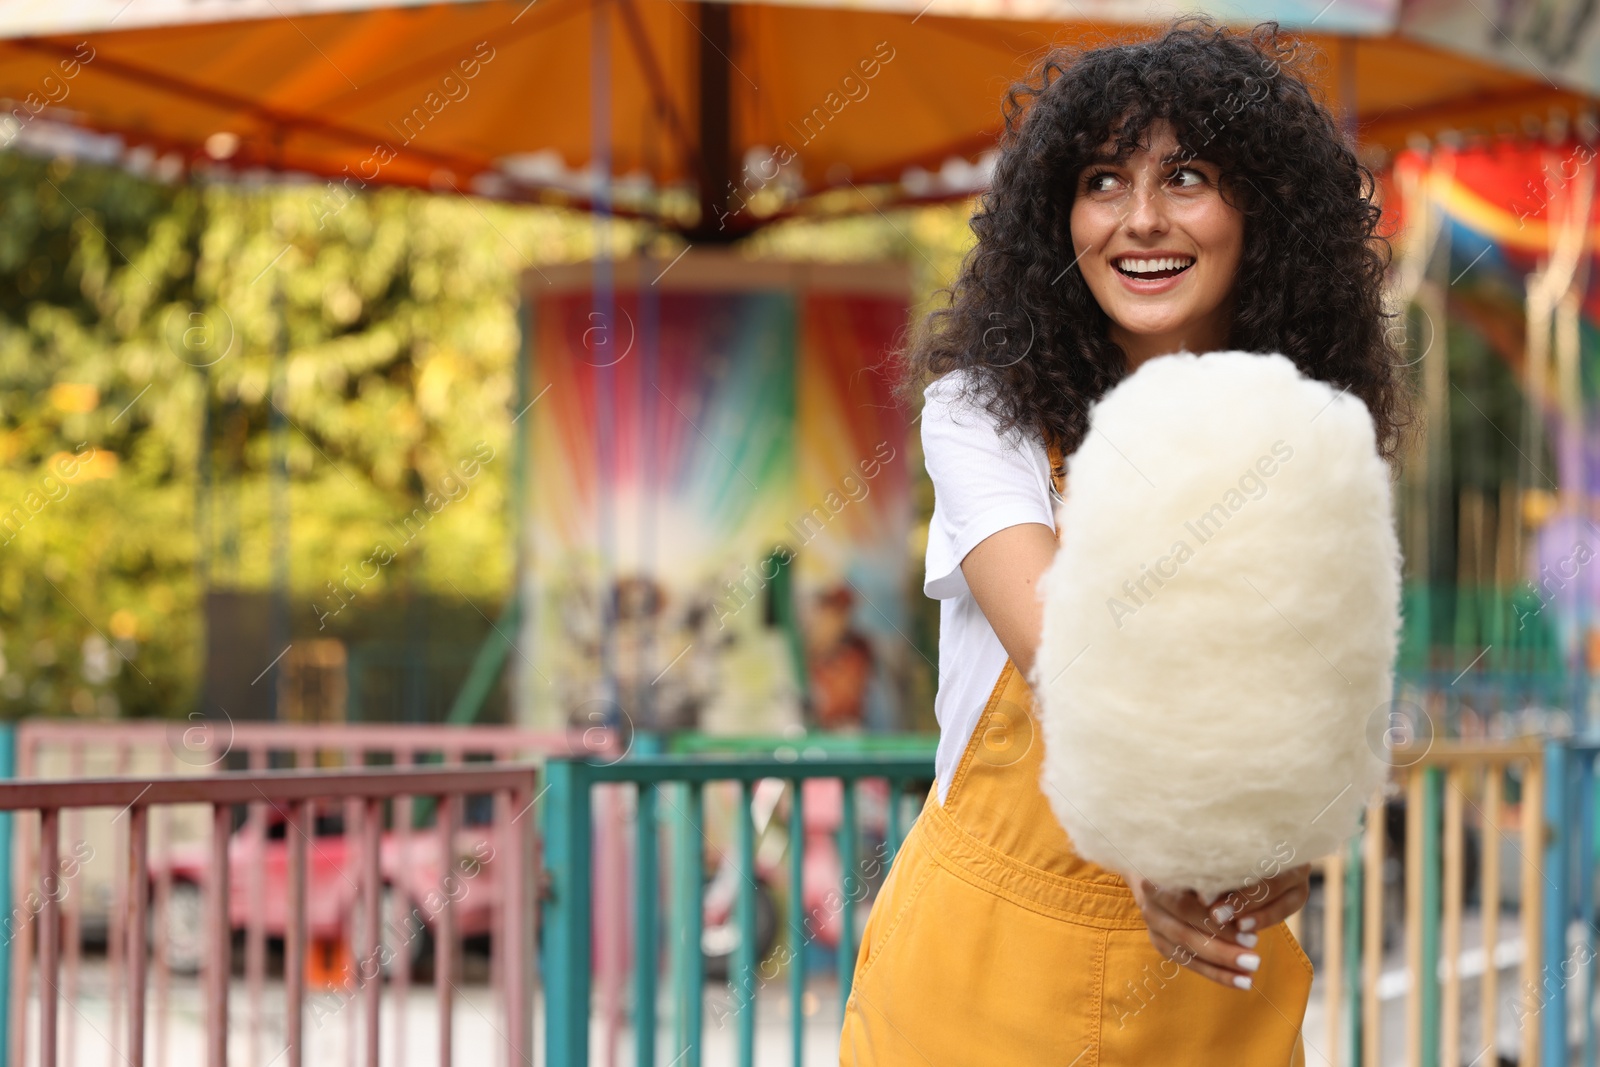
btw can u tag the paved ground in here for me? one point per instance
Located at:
(332, 1021)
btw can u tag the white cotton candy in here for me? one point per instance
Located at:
(1221, 716)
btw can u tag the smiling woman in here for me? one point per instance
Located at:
(1158, 246)
(1182, 193)
(1202, 142)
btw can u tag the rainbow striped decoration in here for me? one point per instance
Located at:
(716, 508)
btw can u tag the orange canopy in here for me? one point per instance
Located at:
(499, 98)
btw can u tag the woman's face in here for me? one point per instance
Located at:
(1158, 247)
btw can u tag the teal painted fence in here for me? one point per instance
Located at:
(8, 769)
(670, 791)
(1569, 898)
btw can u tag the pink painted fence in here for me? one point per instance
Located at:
(296, 797)
(182, 764)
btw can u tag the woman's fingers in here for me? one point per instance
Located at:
(1184, 903)
(1186, 956)
(1195, 947)
(1187, 905)
(1217, 940)
(1289, 895)
(1230, 905)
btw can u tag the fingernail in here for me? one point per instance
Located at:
(1247, 924)
(1222, 914)
(1249, 961)
(1242, 981)
(1247, 940)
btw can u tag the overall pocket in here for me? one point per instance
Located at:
(1159, 1012)
(962, 975)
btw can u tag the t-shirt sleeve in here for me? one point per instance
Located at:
(982, 482)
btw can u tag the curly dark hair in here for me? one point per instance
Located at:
(1310, 278)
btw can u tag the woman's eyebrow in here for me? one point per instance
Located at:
(1103, 159)
(1184, 155)
(1179, 155)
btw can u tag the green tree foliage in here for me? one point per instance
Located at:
(97, 566)
(371, 339)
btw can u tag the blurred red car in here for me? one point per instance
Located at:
(332, 880)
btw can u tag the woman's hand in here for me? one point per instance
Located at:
(1266, 902)
(1183, 930)
(1217, 942)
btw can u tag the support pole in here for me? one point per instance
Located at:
(566, 913)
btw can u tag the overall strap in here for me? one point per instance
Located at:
(995, 795)
(1058, 472)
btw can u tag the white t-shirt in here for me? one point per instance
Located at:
(982, 483)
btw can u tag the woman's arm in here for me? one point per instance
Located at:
(1003, 572)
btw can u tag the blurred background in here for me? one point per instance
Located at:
(527, 365)
(555, 345)
(365, 387)
(292, 471)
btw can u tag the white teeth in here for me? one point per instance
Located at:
(1146, 266)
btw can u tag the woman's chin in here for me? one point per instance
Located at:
(1149, 338)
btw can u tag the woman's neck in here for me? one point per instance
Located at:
(1142, 347)
(1209, 334)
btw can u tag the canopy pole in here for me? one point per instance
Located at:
(716, 123)
(278, 494)
(602, 345)
(1347, 87)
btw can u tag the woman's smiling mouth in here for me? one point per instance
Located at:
(1151, 275)
(1152, 267)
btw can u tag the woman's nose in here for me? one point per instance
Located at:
(1147, 211)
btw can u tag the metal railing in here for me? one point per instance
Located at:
(56, 749)
(62, 748)
(1569, 898)
(1463, 832)
(1462, 814)
(675, 785)
(809, 745)
(1450, 793)
(296, 797)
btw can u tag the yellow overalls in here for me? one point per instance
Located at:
(993, 943)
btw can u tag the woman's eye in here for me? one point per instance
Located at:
(1098, 183)
(1188, 176)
